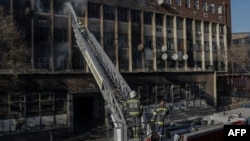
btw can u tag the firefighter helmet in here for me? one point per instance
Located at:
(132, 94)
(79, 22)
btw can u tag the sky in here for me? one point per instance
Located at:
(240, 14)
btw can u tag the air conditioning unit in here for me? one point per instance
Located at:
(205, 15)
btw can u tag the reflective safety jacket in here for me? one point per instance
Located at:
(159, 115)
(133, 107)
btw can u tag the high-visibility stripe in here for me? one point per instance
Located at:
(134, 113)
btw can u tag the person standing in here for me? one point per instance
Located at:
(134, 110)
(159, 115)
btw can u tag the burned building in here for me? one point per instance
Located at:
(173, 49)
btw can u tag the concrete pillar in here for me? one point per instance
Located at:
(130, 41)
(202, 44)
(225, 47)
(210, 44)
(154, 42)
(185, 41)
(32, 37)
(69, 59)
(116, 39)
(52, 61)
(142, 40)
(175, 37)
(86, 23)
(194, 44)
(70, 112)
(101, 26)
(164, 24)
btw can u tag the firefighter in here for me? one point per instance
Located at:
(134, 110)
(157, 121)
(82, 29)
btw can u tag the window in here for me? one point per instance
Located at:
(206, 27)
(180, 44)
(220, 9)
(97, 35)
(135, 15)
(178, 2)
(179, 23)
(108, 12)
(221, 29)
(170, 21)
(204, 6)
(198, 44)
(159, 19)
(168, 1)
(214, 28)
(148, 41)
(187, 4)
(214, 46)
(147, 18)
(109, 39)
(196, 5)
(93, 10)
(123, 40)
(159, 42)
(212, 8)
(198, 26)
(170, 44)
(206, 46)
(122, 15)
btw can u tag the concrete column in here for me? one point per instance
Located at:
(130, 41)
(210, 44)
(142, 40)
(70, 113)
(52, 61)
(154, 42)
(86, 23)
(219, 50)
(225, 46)
(101, 26)
(116, 39)
(175, 37)
(202, 45)
(194, 44)
(32, 37)
(185, 41)
(215, 88)
(69, 62)
(164, 24)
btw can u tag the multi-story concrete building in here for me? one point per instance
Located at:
(173, 49)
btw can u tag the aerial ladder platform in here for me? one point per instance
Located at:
(113, 87)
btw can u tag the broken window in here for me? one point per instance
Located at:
(148, 18)
(108, 12)
(122, 14)
(93, 10)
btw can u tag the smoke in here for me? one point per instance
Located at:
(38, 5)
(80, 5)
(42, 6)
(61, 55)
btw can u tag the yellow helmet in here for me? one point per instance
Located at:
(79, 22)
(132, 94)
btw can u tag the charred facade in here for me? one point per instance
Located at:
(174, 49)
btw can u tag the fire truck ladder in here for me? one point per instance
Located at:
(112, 85)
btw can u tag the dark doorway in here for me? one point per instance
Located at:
(83, 113)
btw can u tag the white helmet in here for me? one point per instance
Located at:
(132, 94)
